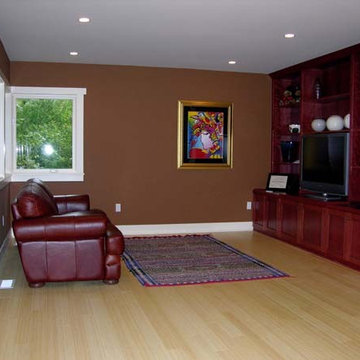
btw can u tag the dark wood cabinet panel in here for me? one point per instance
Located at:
(353, 253)
(336, 235)
(271, 219)
(312, 226)
(289, 220)
(5, 211)
(258, 210)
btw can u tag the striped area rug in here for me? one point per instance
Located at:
(191, 259)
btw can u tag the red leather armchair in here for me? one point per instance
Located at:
(60, 239)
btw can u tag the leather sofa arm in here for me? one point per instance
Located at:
(70, 203)
(74, 226)
(114, 240)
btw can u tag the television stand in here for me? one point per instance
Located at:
(327, 228)
(325, 197)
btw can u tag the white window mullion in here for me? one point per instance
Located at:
(9, 126)
(2, 128)
(78, 130)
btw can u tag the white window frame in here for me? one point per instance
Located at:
(77, 96)
(2, 129)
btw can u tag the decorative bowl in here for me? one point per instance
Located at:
(347, 121)
(335, 123)
(318, 125)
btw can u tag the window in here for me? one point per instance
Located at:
(47, 133)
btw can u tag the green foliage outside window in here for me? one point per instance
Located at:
(44, 133)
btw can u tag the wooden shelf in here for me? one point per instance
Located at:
(326, 132)
(332, 98)
(290, 107)
(287, 136)
(329, 99)
(286, 163)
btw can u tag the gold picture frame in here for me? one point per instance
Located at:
(205, 137)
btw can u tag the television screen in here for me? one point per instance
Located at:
(324, 163)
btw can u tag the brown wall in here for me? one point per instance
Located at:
(131, 140)
(4, 63)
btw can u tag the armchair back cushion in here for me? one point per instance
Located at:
(70, 203)
(43, 185)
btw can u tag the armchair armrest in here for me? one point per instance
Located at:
(71, 203)
(75, 226)
(114, 240)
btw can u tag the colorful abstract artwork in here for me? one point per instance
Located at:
(204, 134)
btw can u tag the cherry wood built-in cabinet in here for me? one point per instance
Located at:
(331, 229)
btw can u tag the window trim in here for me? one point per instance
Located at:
(77, 96)
(2, 128)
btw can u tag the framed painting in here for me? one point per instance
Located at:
(204, 135)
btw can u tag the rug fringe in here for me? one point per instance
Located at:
(165, 236)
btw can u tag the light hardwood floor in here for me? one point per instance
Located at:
(312, 315)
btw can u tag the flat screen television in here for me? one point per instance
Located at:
(325, 165)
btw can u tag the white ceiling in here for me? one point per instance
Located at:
(197, 34)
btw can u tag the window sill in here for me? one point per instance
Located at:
(46, 176)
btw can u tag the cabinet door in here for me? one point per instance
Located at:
(288, 220)
(312, 220)
(335, 234)
(353, 245)
(271, 209)
(258, 211)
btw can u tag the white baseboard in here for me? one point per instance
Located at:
(185, 228)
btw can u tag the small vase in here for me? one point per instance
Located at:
(317, 89)
(289, 151)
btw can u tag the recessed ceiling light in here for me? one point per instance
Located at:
(232, 62)
(84, 19)
(289, 36)
(73, 53)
